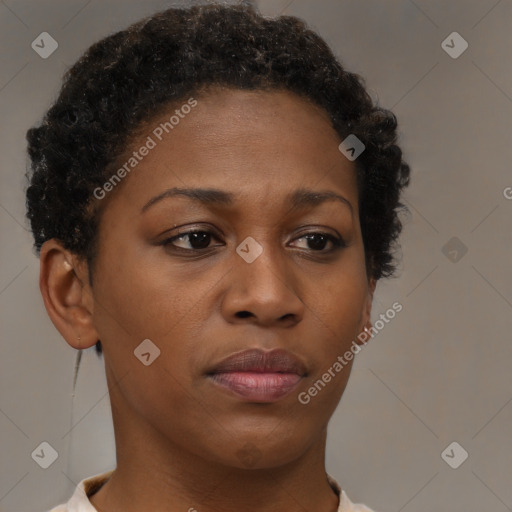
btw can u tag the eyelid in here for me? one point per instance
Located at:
(194, 228)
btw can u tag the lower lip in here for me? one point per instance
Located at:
(256, 386)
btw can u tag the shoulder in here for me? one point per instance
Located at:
(79, 501)
(346, 505)
(59, 508)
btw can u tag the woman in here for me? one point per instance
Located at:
(214, 197)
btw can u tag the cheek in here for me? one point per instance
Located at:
(140, 298)
(340, 297)
(137, 301)
(143, 299)
(337, 312)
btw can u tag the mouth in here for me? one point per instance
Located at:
(258, 376)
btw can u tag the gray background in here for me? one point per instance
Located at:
(438, 372)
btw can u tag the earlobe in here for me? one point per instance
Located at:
(66, 295)
(366, 327)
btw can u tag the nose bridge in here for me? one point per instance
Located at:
(263, 282)
(261, 261)
(257, 252)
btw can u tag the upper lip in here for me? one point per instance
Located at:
(258, 360)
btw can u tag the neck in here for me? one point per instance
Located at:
(155, 473)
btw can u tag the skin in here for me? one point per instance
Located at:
(178, 436)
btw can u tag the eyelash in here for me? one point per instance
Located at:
(337, 243)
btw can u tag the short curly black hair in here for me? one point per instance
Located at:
(130, 76)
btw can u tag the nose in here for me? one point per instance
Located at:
(264, 292)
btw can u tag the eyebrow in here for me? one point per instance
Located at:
(300, 198)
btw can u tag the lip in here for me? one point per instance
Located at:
(259, 376)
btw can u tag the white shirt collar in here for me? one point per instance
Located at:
(79, 501)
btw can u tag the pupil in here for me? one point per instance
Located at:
(194, 237)
(320, 246)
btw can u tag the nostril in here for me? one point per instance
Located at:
(243, 314)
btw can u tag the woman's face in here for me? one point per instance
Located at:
(259, 275)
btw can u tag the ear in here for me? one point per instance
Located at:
(366, 323)
(67, 296)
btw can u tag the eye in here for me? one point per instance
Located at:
(196, 240)
(317, 241)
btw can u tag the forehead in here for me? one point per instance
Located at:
(256, 143)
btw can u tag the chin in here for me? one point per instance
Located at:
(264, 451)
